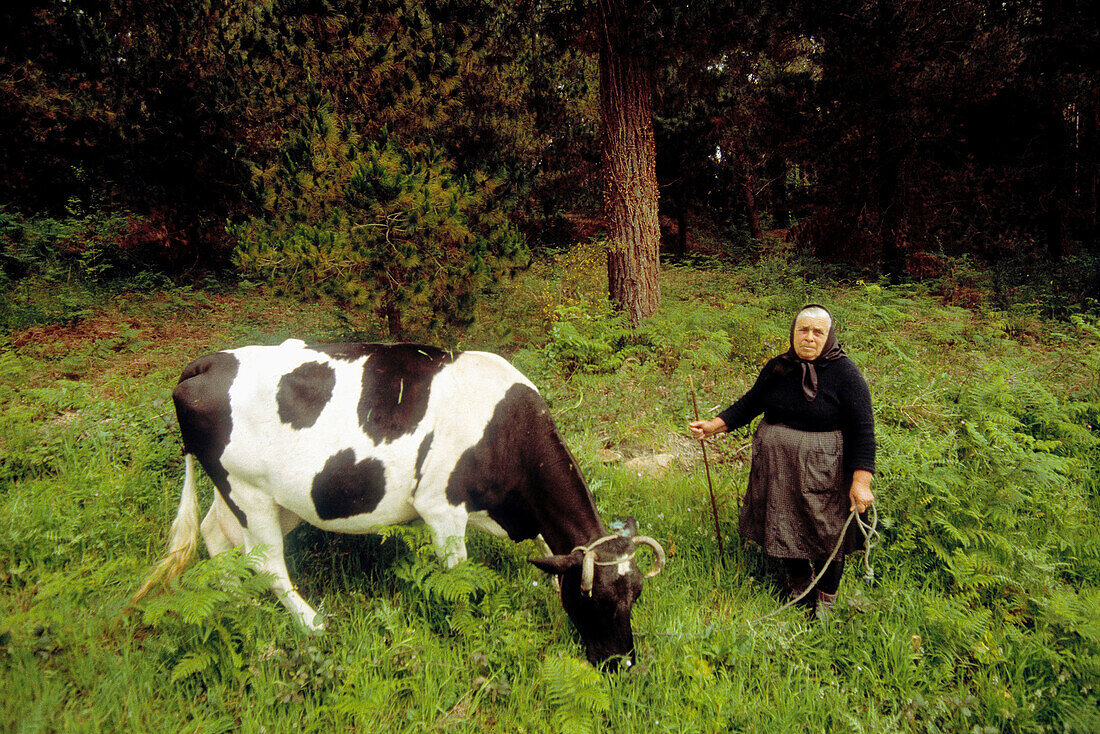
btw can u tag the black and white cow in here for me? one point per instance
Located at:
(352, 437)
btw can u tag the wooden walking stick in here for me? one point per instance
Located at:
(710, 484)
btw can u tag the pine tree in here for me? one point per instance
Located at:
(377, 224)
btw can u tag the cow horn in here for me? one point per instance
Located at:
(659, 563)
(588, 572)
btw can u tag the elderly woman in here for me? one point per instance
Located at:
(813, 455)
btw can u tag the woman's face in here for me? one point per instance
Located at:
(810, 333)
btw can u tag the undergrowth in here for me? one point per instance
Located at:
(983, 615)
(57, 270)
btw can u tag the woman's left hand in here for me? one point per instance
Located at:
(860, 493)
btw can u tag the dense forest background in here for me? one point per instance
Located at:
(401, 154)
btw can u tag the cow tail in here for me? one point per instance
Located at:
(184, 536)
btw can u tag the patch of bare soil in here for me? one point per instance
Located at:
(110, 323)
(139, 335)
(680, 451)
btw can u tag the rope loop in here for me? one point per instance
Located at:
(591, 548)
(588, 569)
(870, 540)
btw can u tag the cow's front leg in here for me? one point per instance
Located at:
(266, 531)
(448, 526)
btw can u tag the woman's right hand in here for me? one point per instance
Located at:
(703, 429)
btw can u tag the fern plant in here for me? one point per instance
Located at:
(450, 599)
(577, 695)
(207, 617)
(997, 515)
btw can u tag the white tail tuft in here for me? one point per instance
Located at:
(184, 536)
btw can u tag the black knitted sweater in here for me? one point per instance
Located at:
(843, 402)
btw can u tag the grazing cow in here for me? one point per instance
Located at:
(352, 437)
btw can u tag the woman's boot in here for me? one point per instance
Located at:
(799, 585)
(825, 604)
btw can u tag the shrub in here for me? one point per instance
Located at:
(379, 225)
(53, 270)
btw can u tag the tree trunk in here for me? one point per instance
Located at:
(1086, 158)
(779, 196)
(892, 123)
(394, 321)
(1055, 203)
(751, 210)
(629, 169)
(890, 216)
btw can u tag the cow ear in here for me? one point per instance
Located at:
(557, 565)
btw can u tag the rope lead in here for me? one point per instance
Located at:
(870, 540)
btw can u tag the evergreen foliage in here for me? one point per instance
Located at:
(917, 113)
(377, 225)
(891, 132)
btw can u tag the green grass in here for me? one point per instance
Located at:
(983, 616)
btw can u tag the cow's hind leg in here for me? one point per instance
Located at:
(265, 529)
(220, 529)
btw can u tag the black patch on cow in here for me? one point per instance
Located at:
(422, 454)
(202, 407)
(344, 488)
(397, 380)
(348, 352)
(304, 393)
(522, 473)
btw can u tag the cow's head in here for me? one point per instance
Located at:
(599, 584)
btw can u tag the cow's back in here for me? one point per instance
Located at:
(340, 434)
(465, 409)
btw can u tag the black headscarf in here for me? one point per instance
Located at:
(830, 352)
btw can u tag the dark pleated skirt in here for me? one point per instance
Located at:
(797, 500)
